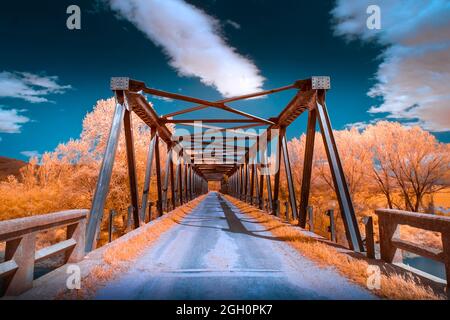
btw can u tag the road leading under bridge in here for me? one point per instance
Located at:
(217, 252)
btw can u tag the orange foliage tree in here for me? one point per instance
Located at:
(66, 178)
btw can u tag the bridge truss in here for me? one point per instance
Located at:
(240, 162)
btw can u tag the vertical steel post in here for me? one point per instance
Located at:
(194, 176)
(340, 184)
(166, 178)
(276, 186)
(245, 177)
(172, 183)
(247, 174)
(261, 191)
(185, 183)
(252, 182)
(131, 159)
(287, 168)
(258, 198)
(148, 174)
(104, 178)
(189, 184)
(159, 202)
(269, 187)
(241, 181)
(307, 166)
(177, 183)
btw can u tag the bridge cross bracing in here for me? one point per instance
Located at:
(239, 160)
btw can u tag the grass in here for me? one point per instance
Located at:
(393, 285)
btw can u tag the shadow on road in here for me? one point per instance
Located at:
(235, 224)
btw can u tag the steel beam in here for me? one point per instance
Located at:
(148, 174)
(261, 191)
(177, 183)
(252, 183)
(166, 178)
(276, 186)
(243, 97)
(243, 120)
(159, 203)
(185, 183)
(104, 178)
(172, 183)
(307, 166)
(287, 168)
(340, 184)
(131, 159)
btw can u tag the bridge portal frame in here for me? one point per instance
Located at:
(241, 177)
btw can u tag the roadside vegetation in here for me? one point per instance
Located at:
(393, 285)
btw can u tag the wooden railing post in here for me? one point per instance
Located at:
(445, 237)
(310, 212)
(388, 230)
(17, 268)
(112, 213)
(391, 245)
(286, 216)
(332, 226)
(150, 218)
(77, 232)
(370, 241)
(129, 217)
(21, 251)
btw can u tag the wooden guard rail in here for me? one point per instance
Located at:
(20, 253)
(390, 241)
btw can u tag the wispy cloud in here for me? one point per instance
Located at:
(11, 120)
(414, 75)
(162, 98)
(360, 125)
(234, 24)
(29, 87)
(31, 153)
(192, 40)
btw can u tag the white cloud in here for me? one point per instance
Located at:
(234, 24)
(414, 75)
(30, 87)
(31, 153)
(162, 98)
(360, 125)
(192, 40)
(11, 120)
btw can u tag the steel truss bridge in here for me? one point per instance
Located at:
(242, 169)
(217, 250)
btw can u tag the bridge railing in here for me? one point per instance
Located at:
(390, 241)
(17, 269)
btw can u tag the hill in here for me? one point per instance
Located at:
(10, 166)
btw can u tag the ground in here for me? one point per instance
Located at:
(217, 252)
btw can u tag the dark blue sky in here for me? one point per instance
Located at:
(286, 39)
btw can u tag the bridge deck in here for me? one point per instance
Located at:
(219, 253)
